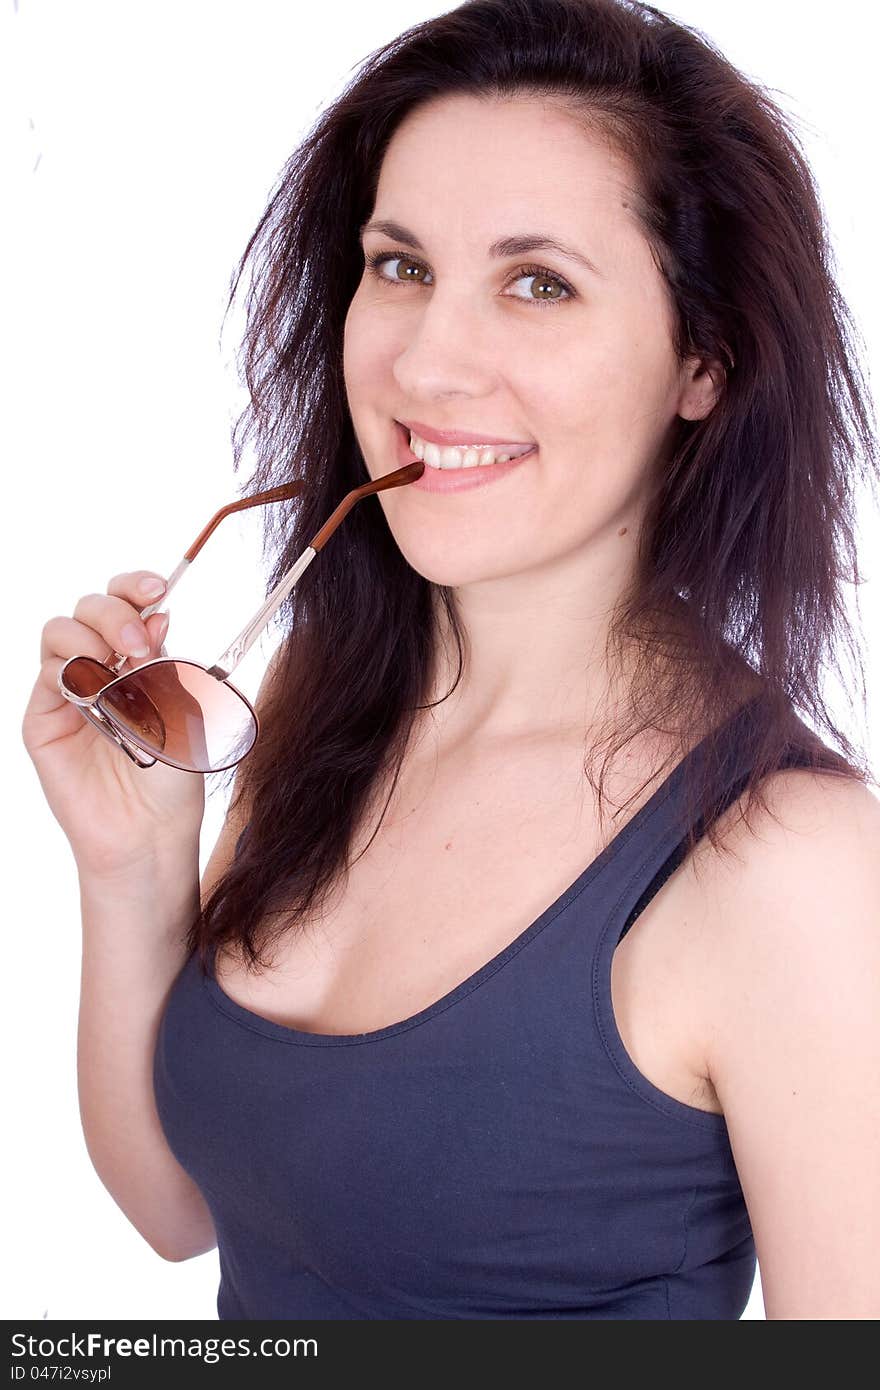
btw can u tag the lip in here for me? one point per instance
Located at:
(453, 479)
(457, 436)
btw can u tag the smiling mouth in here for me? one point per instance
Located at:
(452, 457)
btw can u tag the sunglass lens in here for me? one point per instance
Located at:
(175, 710)
(83, 675)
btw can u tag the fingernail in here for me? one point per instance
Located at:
(133, 637)
(151, 588)
(162, 629)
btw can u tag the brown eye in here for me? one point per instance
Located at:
(410, 268)
(545, 284)
(550, 288)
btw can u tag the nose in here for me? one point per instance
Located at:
(446, 351)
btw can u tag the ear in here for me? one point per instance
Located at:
(701, 384)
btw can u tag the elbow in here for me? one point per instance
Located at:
(176, 1255)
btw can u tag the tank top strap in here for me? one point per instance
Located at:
(646, 858)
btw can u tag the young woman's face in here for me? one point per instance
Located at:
(578, 361)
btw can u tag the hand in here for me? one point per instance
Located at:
(115, 814)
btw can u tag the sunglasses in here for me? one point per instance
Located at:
(180, 712)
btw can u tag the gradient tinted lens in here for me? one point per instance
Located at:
(175, 710)
(84, 675)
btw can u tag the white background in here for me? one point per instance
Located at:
(140, 143)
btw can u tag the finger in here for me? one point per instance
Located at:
(140, 588)
(118, 622)
(45, 697)
(129, 586)
(101, 625)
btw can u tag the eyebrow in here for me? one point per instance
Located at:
(519, 245)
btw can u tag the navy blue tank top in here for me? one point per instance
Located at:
(497, 1155)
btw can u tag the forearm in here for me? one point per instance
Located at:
(133, 949)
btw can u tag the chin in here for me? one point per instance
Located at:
(452, 568)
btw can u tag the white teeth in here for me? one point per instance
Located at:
(453, 456)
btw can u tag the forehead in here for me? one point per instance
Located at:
(503, 165)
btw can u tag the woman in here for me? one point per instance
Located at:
(437, 1036)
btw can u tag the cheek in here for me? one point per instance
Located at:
(367, 354)
(352, 346)
(620, 400)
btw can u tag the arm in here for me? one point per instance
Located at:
(795, 1047)
(133, 950)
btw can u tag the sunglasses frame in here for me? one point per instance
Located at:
(90, 705)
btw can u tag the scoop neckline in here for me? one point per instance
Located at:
(303, 1037)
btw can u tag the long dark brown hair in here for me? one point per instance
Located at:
(750, 533)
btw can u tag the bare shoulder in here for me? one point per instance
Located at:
(792, 1037)
(806, 866)
(808, 812)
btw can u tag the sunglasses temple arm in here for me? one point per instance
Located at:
(230, 658)
(259, 499)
